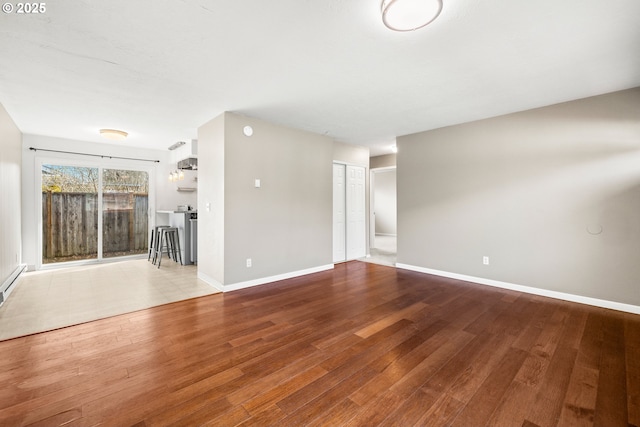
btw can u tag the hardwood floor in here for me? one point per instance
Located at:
(361, 345)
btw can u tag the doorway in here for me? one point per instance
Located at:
(383, 229)
(349, 212)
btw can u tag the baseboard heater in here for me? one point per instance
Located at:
(10, 283)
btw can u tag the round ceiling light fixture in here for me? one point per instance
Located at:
(409, 15)
(113, 134)
(247, 130)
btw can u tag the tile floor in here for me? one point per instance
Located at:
(51, 299)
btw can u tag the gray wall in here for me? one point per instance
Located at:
(10, 196)
(350, 154)
(285, 225)
(383, 161)
(551, 195)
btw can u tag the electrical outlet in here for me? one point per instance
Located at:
(485, 260)
(248, 262)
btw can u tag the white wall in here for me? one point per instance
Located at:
(211, 169)
(10, 206)
(166, 195)
(551, 195)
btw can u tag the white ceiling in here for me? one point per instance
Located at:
(159, 69)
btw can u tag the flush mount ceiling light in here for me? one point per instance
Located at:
(409, 15)
(117, 135)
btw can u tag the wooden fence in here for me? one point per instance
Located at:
(70, 225)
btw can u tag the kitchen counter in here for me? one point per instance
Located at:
(170, 212)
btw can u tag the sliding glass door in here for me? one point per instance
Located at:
(69, 213)
(125, 207)
(93, 212)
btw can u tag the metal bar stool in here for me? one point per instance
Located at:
(174, 241)
(170, 240)
(154, 241)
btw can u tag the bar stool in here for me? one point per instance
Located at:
(170, 240)
(153, 242)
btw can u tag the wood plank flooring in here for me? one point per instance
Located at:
(361, 345)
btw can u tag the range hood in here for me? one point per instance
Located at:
(190, 163)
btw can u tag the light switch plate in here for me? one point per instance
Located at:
(257, 184)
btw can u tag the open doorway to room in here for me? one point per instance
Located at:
(383, 234)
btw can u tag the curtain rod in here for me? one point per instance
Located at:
(93, 155)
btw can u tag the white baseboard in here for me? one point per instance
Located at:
(261, 281)
(210, 281)
(10, 284)
(528, 289)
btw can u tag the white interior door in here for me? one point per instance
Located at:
(349, 212)
(339, 213)
(356, 212)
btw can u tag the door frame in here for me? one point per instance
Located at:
(100, 164)
(346, 165)
(339, 236)
(372, 201)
